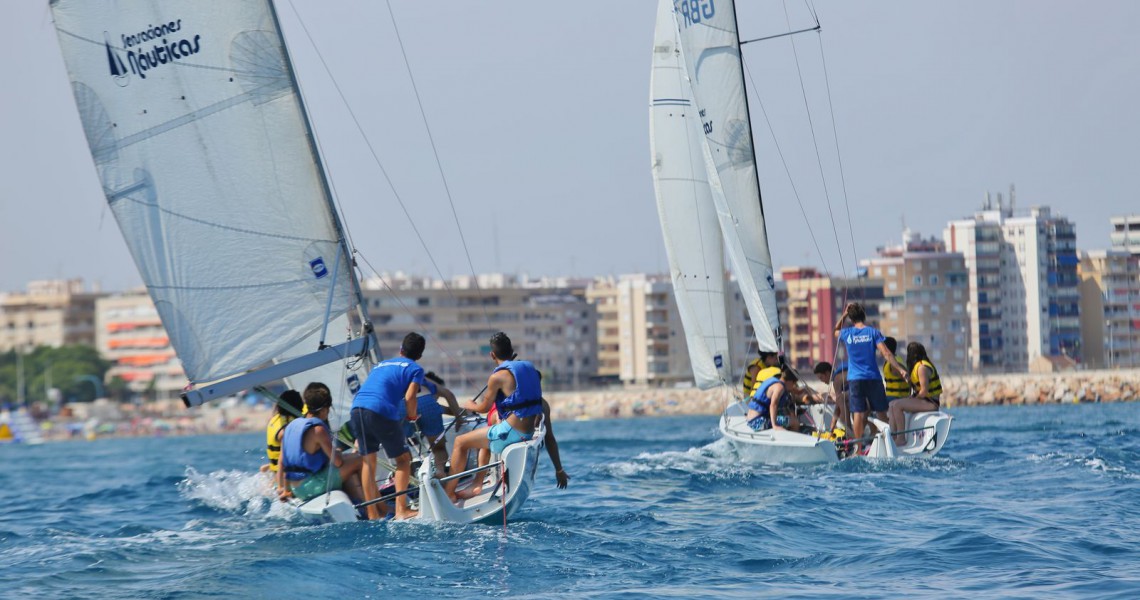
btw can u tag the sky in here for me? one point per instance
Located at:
(539, 116)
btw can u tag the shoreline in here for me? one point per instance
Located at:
(104, 419)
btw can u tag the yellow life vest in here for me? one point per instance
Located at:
(933, 386)
(896, 385)
(763, 375)
(749, 381)
(272, 446)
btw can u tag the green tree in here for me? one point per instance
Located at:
(62, 368)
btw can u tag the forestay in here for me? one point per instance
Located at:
(200, 141)
(685, 206)
(711, 51)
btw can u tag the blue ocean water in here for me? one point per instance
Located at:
(1024, 502)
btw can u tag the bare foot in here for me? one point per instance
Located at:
(408, 514)
(900, 442)
(468, 493)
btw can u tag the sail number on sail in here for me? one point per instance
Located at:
(694, 11)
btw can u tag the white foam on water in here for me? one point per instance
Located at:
(240, 492)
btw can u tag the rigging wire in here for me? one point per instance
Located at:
(438, 162)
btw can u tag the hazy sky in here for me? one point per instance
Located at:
(539, 111)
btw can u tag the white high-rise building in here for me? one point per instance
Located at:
(1126, 234)
(1024, 297)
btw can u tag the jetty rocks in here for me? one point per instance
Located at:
(958, 390)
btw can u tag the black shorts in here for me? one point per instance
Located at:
(373, 431)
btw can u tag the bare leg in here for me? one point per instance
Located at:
(350, 476)
(403, 475)
(859, 422)
(368, 486)
(472, 440)
(439, 452)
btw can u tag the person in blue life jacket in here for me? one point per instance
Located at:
(384, 402)
(864, 381)
(309, 464)
(515, 388)
(430, 422)
(771, 405)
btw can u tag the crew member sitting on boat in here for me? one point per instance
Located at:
(771, 405)
(515, 388)
(289, 406)
(430, 423)
(386, 399)
(760, 370)
(896, 385)
(865, 385)
(928, 390)
(310, 465)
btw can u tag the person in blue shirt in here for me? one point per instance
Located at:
(430, 423)
(379, 409)
(515, 388)
(309, 465)
(864, 381)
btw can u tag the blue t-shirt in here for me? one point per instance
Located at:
(384, 390)
(862, 344)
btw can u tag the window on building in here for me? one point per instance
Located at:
(918, 279)
(933, 280)
(935, 309)
(918, 310)
(892, 271)
(422, 301)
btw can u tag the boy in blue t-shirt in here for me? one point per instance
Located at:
(864, 382)
(384, 402)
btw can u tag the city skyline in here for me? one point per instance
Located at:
(546, 149)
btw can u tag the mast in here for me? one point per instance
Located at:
(752, 143)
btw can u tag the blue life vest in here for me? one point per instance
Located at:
(760, 401)
(297, 463)
(526, 401)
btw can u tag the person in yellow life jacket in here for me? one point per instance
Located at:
(897, 387)
(289, 407)
(760, 370)
(927, 389)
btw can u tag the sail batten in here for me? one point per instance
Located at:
(200, 140)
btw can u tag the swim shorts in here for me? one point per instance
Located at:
(373, 431)
(867, 393)
(318, 483)
(503, 435)
(760, 423)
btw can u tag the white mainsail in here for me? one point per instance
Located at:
(200, 140)
(711, 51)
(685, 207)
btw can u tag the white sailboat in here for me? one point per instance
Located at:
(208, 161)
(703, 162)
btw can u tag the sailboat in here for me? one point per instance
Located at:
(209, 164)
(704, 171)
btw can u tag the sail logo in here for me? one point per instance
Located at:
(353, 382)
(694, 12)
(718, 360)
(149, 49)
(318, 267)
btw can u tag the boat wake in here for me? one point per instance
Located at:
(717, 460)
(238, 492)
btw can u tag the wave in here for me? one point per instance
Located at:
(238, 492)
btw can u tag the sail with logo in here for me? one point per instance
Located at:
(204, 152)
(685, 206)
(707, 44)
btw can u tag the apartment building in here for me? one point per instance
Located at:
(1024, 297)
(925, 290)
(1110, 308)
(549, 321)
(1126, 234)
(50, 313)
(811, 303)
(129, 333)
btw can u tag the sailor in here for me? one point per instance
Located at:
(759, 370)
(289, 406)
(515, 388)
(896, 387)
(430, 423)
(561, 479)
(771, 405)
(865, 384)
(307, 452)
(928, 390)
(836, 381)
(384, 402)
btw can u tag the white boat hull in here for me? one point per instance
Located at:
(773, 446)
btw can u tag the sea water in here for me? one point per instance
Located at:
(1023, 502)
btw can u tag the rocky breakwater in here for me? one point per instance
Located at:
(958, 390)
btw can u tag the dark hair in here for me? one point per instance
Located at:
(823, 367)
(764, 356)
(787, 374)
(317, 396)
(293, 399)
(434, 378)
(892, 344)
(501, 346)
(413, 346)
(856, 313)
(915, 352)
